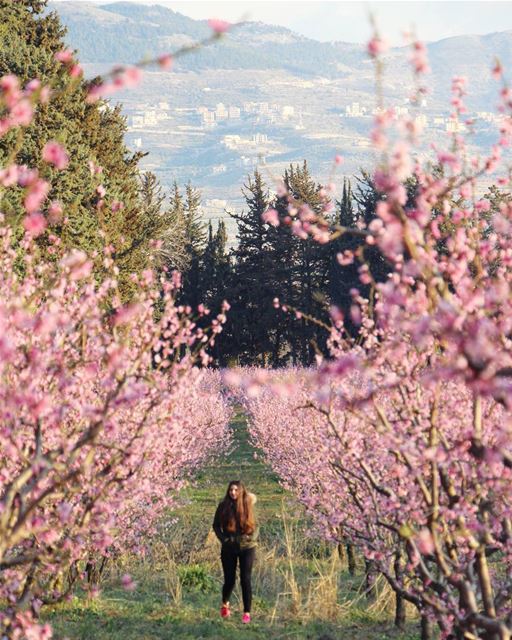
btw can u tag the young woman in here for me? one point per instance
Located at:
(236, 529)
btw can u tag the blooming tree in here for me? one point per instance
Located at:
(413, 423)
(96, 417)
(103, 414)
(397, 479)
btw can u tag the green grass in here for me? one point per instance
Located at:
(211, 484)
(178, 592)
(147, 615)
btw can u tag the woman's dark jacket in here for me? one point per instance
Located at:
(238, 539)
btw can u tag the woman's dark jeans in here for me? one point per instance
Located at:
(229, 555)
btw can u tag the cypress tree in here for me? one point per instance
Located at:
(255, 336)
(343, 278)
(304, 269)
(195, 241)
(29, 40)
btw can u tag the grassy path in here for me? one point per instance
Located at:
(298, 594)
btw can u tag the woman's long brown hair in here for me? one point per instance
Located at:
(237, 515)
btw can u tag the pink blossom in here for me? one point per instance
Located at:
(66, 55)
(76, 71)
(218, 26)
(298, 229)
(270, 216)
(127, 313)
(55, 154)
(165, 61)
(131, 77)
(376, 46)
(425, 542)
(497, 70)
(22, 113)
(9, 176)
(419, 58)
(32, 86)
(35, 195)
(34, 224)
(55, 212)
(9, 83)
(78, 264)
(127, 583)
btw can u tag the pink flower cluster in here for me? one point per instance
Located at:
(407, 437)
(393, 472)
(102, 419)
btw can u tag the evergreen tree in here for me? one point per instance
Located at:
(254, 334)
(271, 262)
(343, 278)
(175, 249)
(195, 240)
(214, 283)
(195, 227)
(29, 40)
(303, 269)
(215, 266)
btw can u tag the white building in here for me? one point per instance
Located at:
(208, 118)
(244, 161)
(287, 111)
(488, 116)
(454, 126)
(259, 138)
(137, 121)
(355, 110)
(221, 113)
(150, 118)
(234, 113)
(231, 141)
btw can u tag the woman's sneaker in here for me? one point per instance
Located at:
(246, 618)
(224, 611)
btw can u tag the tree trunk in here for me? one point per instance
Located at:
(399, 600)
(427, 628)
(369, 580)
(351, 559)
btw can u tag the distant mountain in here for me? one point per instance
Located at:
(261, 72)
(123, 32)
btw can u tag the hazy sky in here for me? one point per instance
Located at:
(348, 21)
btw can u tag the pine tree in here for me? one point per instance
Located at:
(345, 278)
(304, 269)
(255, 335)
(174, 249)
(195, 227)
(195, 239)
